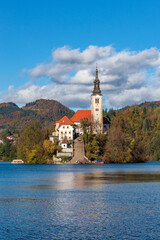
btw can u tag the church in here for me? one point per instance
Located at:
(67, 129)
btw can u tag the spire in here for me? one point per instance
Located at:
(96, 89)
(96, 72)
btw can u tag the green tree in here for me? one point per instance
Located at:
(30, 144)
(8, 151)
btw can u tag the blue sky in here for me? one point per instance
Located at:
(34, 33)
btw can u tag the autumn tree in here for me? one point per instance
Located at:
(30, 144)
(49, 147)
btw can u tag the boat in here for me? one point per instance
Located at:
(17, 161)
(97, 161)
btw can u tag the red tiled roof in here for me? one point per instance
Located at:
(105, 121)
(80, 115)
(65, 121)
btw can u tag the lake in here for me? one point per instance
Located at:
(80, 201)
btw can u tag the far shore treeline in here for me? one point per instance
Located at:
(134, 136)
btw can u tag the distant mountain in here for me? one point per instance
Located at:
(8, 108)
(144, 104)
(45, 111)
(150, 104)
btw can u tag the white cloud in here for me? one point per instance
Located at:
(64, 94)
(127, 77)
(82, 77)
(133, 96)
(74, 56)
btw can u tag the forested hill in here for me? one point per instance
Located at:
(45, 111)
(134, 135)
(145, 105)
(48, 110)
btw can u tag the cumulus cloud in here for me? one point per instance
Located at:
(127, 77)
(66, 95)
(131, 96)
(74, 56)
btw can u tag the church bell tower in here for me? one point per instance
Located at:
(96, 112)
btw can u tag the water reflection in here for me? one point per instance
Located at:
(78, 180)
(121, 177)
(80, 202)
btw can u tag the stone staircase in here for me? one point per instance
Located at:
(78, 151)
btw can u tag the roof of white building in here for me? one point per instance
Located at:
(65, 121)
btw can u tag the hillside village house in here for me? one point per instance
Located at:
(66, 129)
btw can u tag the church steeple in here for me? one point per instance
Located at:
(96, 112)
(96, 89)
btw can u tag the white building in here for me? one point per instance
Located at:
(65, 128)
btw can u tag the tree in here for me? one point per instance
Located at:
(8, 151)
(30, 144)
(86, 126)
(109, 114)
(49, 147)
(147, 124)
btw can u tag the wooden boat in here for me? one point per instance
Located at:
(17, 161)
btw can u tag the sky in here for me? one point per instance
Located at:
(49, 49)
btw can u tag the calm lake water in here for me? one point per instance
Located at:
(80, 201)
